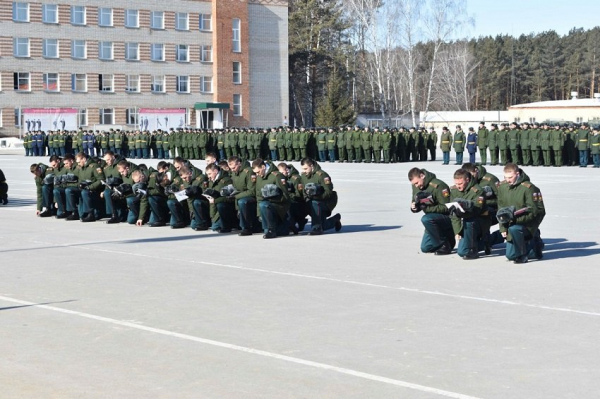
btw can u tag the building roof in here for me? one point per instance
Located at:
(573, 103)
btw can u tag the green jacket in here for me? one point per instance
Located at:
(273, 176)
(557, 139)
(583, 139)
(595, 143)
(459, 141)
(446, 141)
(439, 190)
(472, 193)
(492, 140)
(502, 137)
(482, 134)
(513, 139)
(321, 178)
(520, 195)
(93, 172)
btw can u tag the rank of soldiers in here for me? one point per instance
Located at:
(261, 197)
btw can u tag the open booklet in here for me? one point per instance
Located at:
(180, 195)
(456, 205)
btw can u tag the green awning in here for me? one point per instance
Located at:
(211, 106)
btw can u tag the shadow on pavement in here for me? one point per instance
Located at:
(36, 304)
(18, 202)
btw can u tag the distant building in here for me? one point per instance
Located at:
(439, 119)
(153, 64)
(575, 110)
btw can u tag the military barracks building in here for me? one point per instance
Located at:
(131, 63)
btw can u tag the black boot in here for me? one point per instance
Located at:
(114, 219)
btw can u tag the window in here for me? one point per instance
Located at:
(50, 82)
(236, 44)
(132, 116)
(206, 54)
(105, 50)
(182, 53)
(237, 73)
(181, 21)
(158, 84)
(78, 15)
(78, 49)
(206, 84)
(105, 17)
(106, 116)
(20, 12)
(183, 84)
(79, 82)
(50, 48)
(237, 105)
(532, 120)
(82, 117)
(157, 52)
(157, 20)
(132, 52)
(18, 117)
(205, 22)
(21, 47)
(579, 119)
(106, 82)
(22, 81)
(133, 84)
(50, 13)
(132, 19)
(0, 117)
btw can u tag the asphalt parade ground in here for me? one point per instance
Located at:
(90, 310)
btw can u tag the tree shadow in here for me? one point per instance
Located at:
(36, 304)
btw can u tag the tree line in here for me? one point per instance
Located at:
(401, 57)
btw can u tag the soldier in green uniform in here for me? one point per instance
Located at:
(514, 135)
(520, 213)
(377, 144)
(350, 155)
(534, 144)
(272, 198)
(194, 185)
(44, 184)
(244, 182)
(459, 144)
(446, 145)
(304, 138)
(570, 149)
(525, 143)
(288, 139)
(341, 144)
(321, 198)
(222, 208)
(422, 144)
(583, 145)
(272, 139)
(296, 147)
(366, 143)
(90, 176)
(558, 141)
(281, 149)
(503, 143)
(64, 177)
(469, 223)
(430, 195)
(595, 146)
(203, 143)
(322, 144)
(546, 144)
(482, 142)
(331, 137)
(243, 144)
(386, 144)
(356, 143)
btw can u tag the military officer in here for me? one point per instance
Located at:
(459, 144)
(472, 144)
(272, 198)
(321, 198)
(583, 144)
(446, 145)
(482, 142)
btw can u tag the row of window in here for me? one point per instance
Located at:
(79, 83)
(132, 19)
(106, 116)
(50, 49)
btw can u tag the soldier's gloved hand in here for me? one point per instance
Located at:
(57, 180)
(125, 189)
(116, 195)
(192, 191)
(488, 193)
(49, 179)
(84, 185)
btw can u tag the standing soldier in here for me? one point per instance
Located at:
(288, 135)
(534, 144)
(459, 144)
(322, 144)
(513, 143)
(272, 138)
(304, 137)
(386, 144)
(296, 144)
(280, 143)
(377, 145)
(159, 144)
(525, 143)
(432, 139)
(482, 142)
(472, 145)
(503, 143)
(546, 144)
(558, 141)
(341, 143)
(571, 153)
(358, 155)
(422, 144)
(243, 144)
(446, 145)
(350, 156)
(331, 144)
(202, 145)
(221, 144)
(111, 141)
(366, 142)
(166, 143)
(104, 143)
(402, 145)
(583, 144)
(595, 146)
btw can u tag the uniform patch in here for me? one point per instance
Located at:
(327, 180)
(445, 192)
(284, 181)
(300, 187)
(99, 170)
(253, 178)
(480, 200)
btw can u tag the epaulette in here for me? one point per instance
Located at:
(526, 184)
(199, 178)
(475, 189)
(318, 172)
(486, 178)
(452, 187)
(434, 185)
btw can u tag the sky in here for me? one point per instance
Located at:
(516, 17)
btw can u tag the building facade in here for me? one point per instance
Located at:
(150, 64)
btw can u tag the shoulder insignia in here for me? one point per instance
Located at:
(445, 192)
(526, 184)
(486, 178)
(327, 180)
(319, 173)
(475, 189)
(284, 181)
(480, 200)
(199, 178)
(253, 177)
(99, 170)
(181, 187)
(205, 184)
(300, 187)
(434, 185)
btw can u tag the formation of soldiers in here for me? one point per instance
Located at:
(343, 144)
(229, 195)
(528, 144)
